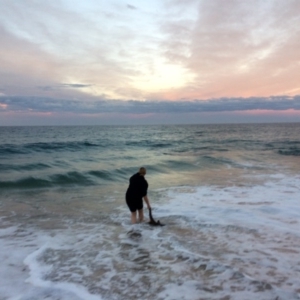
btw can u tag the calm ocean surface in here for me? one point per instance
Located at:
(228, 194)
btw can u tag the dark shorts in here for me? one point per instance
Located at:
(134, 204)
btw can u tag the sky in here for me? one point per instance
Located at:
(72, 62)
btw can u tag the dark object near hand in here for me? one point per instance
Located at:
(152, 221)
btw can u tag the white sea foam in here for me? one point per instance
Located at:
(237, 242)
(25, 270)
(250, 229)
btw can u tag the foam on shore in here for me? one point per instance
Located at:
(237, 242)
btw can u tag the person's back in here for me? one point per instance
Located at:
(137, 187)
(136, 192)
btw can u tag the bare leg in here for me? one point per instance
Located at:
(141, 215)
(133, 217)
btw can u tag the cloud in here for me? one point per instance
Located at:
(173, 50)
(35, 104)
(131, 6)
(45, 44)
(65, 85)
(238, 49)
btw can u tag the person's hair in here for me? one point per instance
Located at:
(142, 171)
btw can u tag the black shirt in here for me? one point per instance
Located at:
(138, 187)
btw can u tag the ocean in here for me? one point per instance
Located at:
(227, 194)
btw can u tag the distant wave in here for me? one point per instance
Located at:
(24, 167)
(57, 180)
(102, 174)
(285, 147)
(290, 151)
(148, 143)
(45, 147)
(73, 178)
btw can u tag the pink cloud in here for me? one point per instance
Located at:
(238, 49)
(274, 113)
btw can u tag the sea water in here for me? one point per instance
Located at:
(228, 194)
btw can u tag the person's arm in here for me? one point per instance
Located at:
(147, 201)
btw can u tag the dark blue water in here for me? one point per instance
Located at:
(46, 157)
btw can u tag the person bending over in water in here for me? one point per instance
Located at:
(136, 192)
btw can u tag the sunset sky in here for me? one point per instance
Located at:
(145, 62)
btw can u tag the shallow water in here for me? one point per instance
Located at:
(229, 197)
